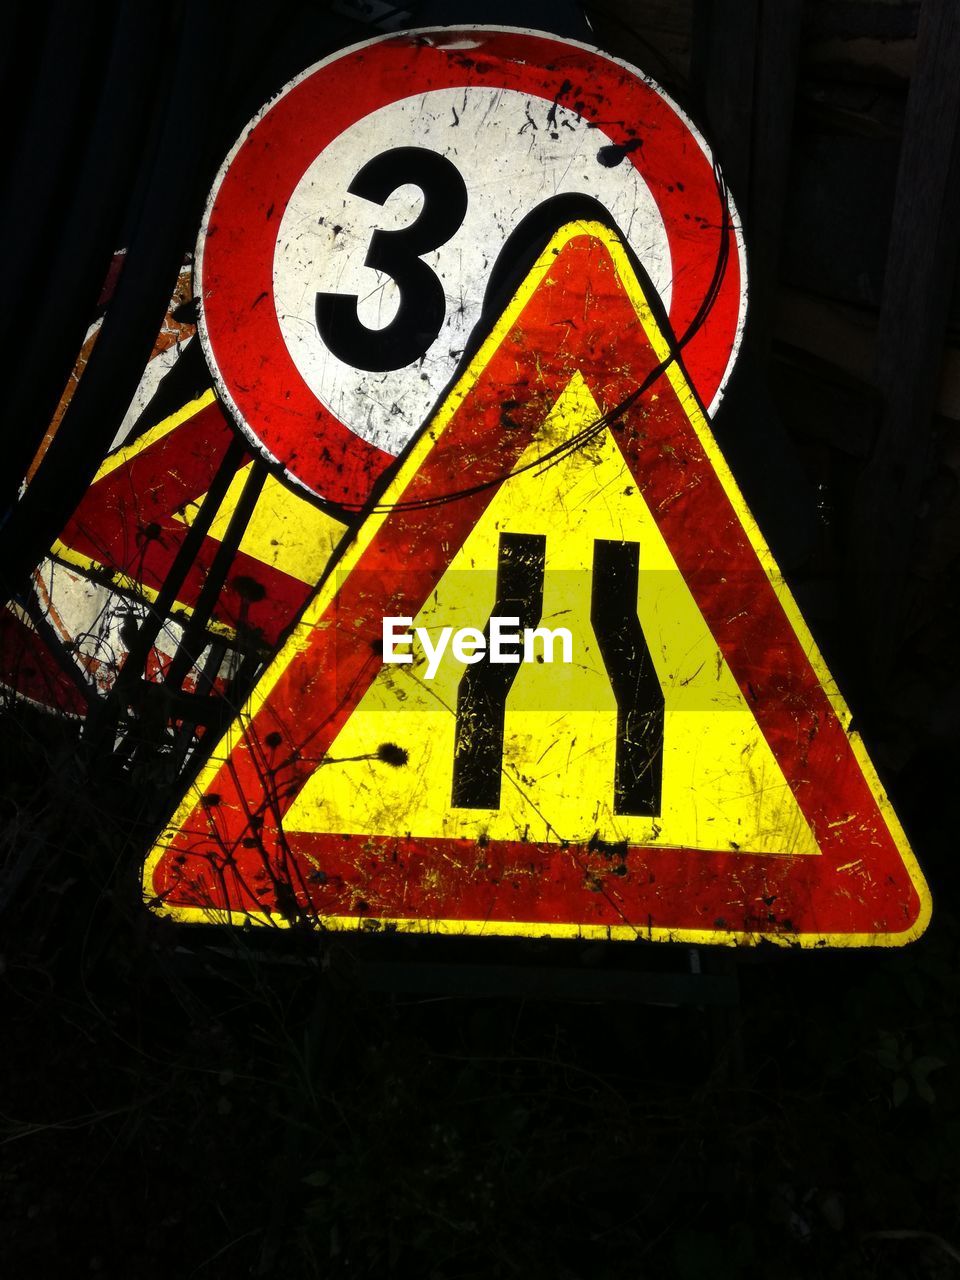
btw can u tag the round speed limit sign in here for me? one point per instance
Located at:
(352, 233)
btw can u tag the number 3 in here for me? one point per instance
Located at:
(414, 328)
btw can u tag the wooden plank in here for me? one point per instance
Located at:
(850, 18)
(652, 34)
(723, 68)
(774, 96)
(745, 62)
(921, 266)
(863, 60)
(542, 982)
(819, 402)
(846, 337)
(671, 17)
(835, 332)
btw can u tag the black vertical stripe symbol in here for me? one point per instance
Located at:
(482, 695)
(638, 776)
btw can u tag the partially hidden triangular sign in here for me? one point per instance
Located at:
(661, 754)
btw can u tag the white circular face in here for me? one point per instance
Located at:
(512, 152)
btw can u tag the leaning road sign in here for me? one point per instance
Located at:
(357, 231)
(119, 547)
(134, 518)
(613, 723)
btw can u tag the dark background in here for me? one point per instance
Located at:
(181, 1103)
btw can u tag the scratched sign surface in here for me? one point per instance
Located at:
(357, 237)
(689, 773)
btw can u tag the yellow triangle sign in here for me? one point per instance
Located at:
(678, 765)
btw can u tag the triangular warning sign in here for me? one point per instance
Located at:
(664, 754)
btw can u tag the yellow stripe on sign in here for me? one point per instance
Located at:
(285, 531)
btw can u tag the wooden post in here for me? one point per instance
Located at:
(744, 70)
(778, 52)
(745, 61)
(918, 282)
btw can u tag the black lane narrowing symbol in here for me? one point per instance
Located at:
(638, 778)
(482, 695)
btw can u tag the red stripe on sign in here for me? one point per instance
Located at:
(127, 523)
(29, 668)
